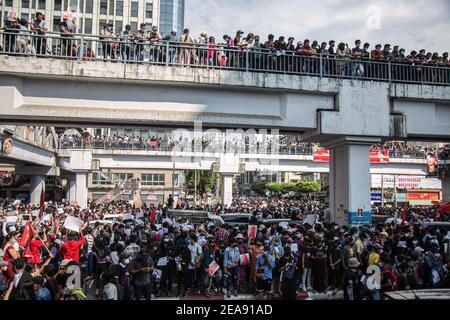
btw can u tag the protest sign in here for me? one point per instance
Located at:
(162, 262)
(72, 223)
(212, 268)
(245, 259)
(252, 231)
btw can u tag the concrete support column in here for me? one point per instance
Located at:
(446, 189)
(81, 191)
(71, 192)
(350, 181)
(227, 189)
(36, 185)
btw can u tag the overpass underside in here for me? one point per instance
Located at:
(345, 115)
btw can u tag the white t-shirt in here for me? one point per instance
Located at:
(196, 251)
(110, 292)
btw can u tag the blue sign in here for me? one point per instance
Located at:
(359, 218)
(375, 197)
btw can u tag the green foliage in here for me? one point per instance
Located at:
(258, 187)
(205, 181)
(307, 186)
(280, 187)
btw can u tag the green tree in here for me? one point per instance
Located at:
(280, 187)
(205, 183)
(307, 186)
(258, 187)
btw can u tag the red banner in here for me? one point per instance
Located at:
(376, 156)
(322, 156)
(423, 196)
(379, 156)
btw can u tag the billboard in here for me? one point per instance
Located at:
(423, 196)
(404, 182)
(375, 156)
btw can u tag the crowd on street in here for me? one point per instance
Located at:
(241, 51)
(55, 251)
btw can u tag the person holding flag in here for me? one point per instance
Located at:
(152, 215)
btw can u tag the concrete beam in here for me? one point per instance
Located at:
(37, 170)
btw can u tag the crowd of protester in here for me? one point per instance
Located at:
(241, 51)
(150, 254)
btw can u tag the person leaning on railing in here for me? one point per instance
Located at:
(40, 27)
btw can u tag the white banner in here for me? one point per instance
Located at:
(73, 223)
(405, 182)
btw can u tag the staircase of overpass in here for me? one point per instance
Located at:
(121, 186)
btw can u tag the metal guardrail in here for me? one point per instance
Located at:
(216, 56)
(143, 146)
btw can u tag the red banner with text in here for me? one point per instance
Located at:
(376, 156)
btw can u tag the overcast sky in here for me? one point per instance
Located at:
(412, 24)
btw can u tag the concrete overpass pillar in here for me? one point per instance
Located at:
(446, 189)
(71, 193)
(227, 189)
(36, 185)
(350, 180)
(81, 191)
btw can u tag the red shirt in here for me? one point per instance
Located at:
(71, 249)
(34, 246)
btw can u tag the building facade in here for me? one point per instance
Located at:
(92, 15)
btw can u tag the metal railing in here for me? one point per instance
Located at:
(216, 56)
(82, 144)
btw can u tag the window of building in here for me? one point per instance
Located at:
(88, 26)
(118, 26)
(56, 22)
(101, 25)
(50, 180)
(123, 176)
(25, 4)
(133, 26)
(176, 180)
(104, 7)
(58, 5)
(89, 6)
(8, 3)
(119, 8)
(148, 10)
(41, 4)
(111, 7)
(150, 179)
(98, 179)
(134, 9)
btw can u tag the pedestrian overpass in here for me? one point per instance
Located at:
(345, 115)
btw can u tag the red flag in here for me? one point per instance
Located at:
(404, 213)
(42, 202)
(152, 216)
(27, 235)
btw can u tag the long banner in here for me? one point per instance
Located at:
(375, 156)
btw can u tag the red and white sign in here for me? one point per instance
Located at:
(252, 231)
(212, 268)
(423, 196)
(378, 156)
(245, 259)
(375, 156)
(321, 156)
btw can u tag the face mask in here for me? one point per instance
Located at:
(126, 261)
(166, 240)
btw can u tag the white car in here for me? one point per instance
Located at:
(391, 220)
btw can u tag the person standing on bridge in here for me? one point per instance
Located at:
(40, 26)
